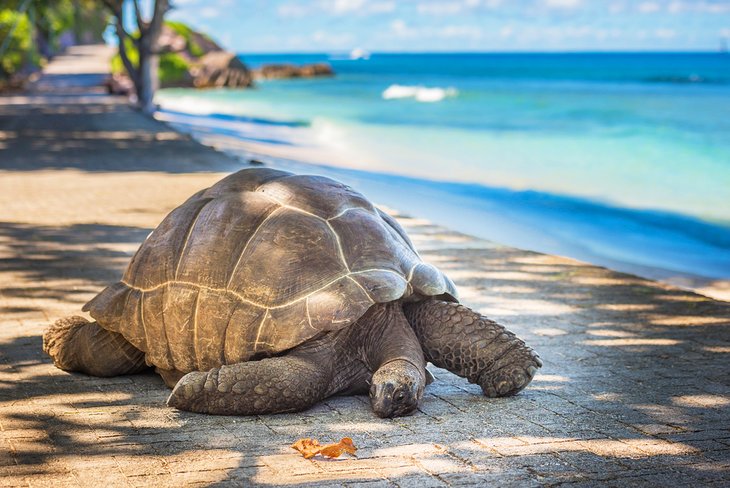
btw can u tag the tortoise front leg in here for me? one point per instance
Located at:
(273, 385)
(470, 345)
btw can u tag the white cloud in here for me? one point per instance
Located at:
(332, 38)
(648, 7)
(335, 7)
(459, 31)
(506, 31)
(665, 33)
(676, 7)
(342, 6)
(452, 7)
(440, 8)
(209, 12)
(563, 4)
(358, 6)
(456, 31)
(381, 7)
(292, 10)
(617, 7)
(400, 28)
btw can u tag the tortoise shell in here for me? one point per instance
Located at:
(257, 264)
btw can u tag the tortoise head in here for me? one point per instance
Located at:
(396, 389)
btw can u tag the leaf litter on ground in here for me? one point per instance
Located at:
(311, 447)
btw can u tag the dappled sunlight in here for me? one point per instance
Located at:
(626, 307)
(610, 333)
(549, 331)
(513, 289)
(614, 448)
(702, 401)
(361, 427)
(551, 378)
(549, 382)
(502, 306)
(632, 342)
(665, 414)
(599, 280)
(106, 135)
(688, 320)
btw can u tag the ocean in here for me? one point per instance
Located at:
(619, 159)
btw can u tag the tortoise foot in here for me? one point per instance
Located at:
(515, 371)
(75, 344)
(58, 342)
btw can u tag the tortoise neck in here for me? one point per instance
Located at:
(387, 337)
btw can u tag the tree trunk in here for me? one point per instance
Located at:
(145, 76)
(149, 80)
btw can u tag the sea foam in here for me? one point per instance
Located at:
(419, 93)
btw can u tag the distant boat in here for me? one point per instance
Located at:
(359, 53)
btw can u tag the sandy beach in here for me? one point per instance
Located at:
(634, 390)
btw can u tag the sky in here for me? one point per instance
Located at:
(264, 26)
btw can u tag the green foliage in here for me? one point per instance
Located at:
(20, 50)
(187, 33)
(40, 26)
(132, 54)
(173, 67)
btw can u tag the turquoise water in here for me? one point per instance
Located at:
(644, 134)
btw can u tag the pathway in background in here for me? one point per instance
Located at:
(635, 388)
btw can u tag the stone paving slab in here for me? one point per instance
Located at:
(635, 390)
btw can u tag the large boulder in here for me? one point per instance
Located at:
(188, 59)
(221, 68)
(285, 70)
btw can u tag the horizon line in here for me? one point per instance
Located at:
(347, 51)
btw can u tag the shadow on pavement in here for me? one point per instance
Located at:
(67, 135)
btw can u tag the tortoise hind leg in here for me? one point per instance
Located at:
(273, 385)
(75, 344)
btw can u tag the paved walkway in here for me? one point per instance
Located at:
(635, 390)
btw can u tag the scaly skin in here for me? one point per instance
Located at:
(273, 385)
(470, 345)
(341, 361)
(75, 344)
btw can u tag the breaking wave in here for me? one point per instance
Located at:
(419, 93)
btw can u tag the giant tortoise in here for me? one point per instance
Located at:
(270, 291)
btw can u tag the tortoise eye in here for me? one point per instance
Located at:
(400, 396)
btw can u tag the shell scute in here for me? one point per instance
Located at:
(233, 183)
(156, 260)
(368, 244)
(241, 332)
(221, 232)
(289, 255)
(317, 195)
(337, 305)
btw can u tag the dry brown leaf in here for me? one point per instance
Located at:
(335, 450)
(308, 447)
(311, 447)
